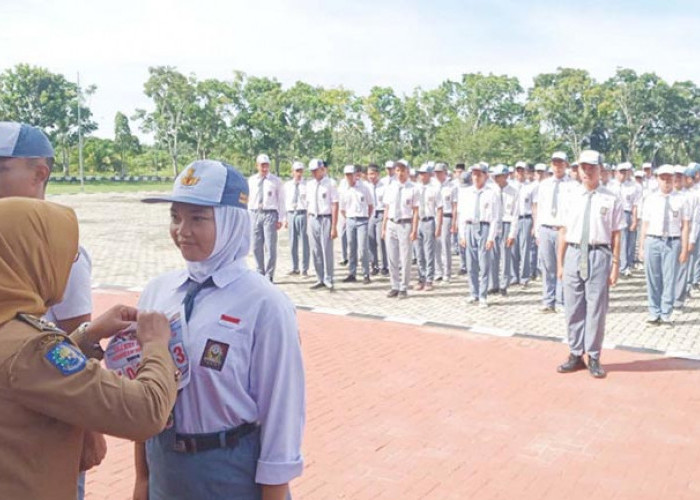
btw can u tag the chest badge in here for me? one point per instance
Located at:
(214, 355)
(603, 210)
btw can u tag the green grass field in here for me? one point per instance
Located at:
(107, 187)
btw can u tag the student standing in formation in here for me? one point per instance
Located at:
(692, 180)
(540, 174)
(679, 185)
(478, 215)
(267, 215)
(443, 244)
(377, 246)
(462, 179)
(665, 230)
(588, 262)
(356, 206)
(523, 240)
(296, 201)
(548, 207)
(629, 193)
(322, 199)
(503, 271)
(429, 228)
(400, 228)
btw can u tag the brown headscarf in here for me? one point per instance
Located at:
(38, 245)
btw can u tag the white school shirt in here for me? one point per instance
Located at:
(544, 198)
(629, 193)
(510, 207)
(606, 215)
(260, 373)
(356, 200)
(77, 298)
(693, 199)
(654, 213)
(489, 208)
(410, 199)
(273, 194)
(448, 191)
(321, 195)
(377, 191)
(526, 192)
(430, 200)
(302, 201)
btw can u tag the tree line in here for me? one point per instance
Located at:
(629, 117)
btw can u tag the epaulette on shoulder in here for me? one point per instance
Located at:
(39, 323)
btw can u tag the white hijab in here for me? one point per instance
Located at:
(232, 243)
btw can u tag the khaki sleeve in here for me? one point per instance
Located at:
(88, 348)
(51, 376)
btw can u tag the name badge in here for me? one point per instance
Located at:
(603, 210)
(675, 214)
(214, 355)
(323, 195)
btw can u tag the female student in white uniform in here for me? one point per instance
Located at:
(238, 423)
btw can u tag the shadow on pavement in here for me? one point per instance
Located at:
(654, 365)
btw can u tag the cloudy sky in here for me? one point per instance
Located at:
(356, 44)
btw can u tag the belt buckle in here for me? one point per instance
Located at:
(180, 446)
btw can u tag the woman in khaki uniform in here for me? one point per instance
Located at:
(50, 392)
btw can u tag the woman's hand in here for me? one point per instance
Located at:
(113, 321)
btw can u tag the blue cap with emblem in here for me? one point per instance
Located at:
(19, 140)
(208, 183)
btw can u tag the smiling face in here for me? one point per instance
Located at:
(193, 230)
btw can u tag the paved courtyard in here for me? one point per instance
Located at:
(129, 245)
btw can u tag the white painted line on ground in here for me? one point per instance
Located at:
(138, 289)
(489, 330)
(407, 321)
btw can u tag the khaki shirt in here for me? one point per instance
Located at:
(50, 393)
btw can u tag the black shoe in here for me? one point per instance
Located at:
(292, 273)
(392, 294)
(595, 368)
(350, 279)
(343, 262)
(573, 364)
(366, 280)
(439, 278)
(503, 292)
(375, 272)
(385, 272)
(462, 272)
(316, 286)
(403, 294)
(305, 274)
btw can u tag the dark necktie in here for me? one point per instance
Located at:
(260, 192)
(583, 267)
(295, 200)
(193, 288)
(667, 219)
(555, 199)
(477, 208)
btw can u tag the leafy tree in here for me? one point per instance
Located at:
(124, 142)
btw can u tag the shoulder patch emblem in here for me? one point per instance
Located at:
(66, 358)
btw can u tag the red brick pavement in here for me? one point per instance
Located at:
(398, 411)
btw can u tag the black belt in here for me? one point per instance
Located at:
(556, 228)
(297, 212)
(319, 216)
(628, 211)
(400, 221)
(528, 216)
(664, 237)
(426, 219)
(446, 215)
(358, 218)
(590, 247)
(378, 212)
(480, 223)
(195, 443)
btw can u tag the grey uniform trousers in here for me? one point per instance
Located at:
(265, 241)
(426, 251)
(356, 231)
(586, 301)
(523, 250)
(443, 249)
(298, 232)
(478, 259)
(321, 247)
(661, 267)
(551, 286)
(628, 239)
(399, 248)
(377, 245)
(502, 259)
